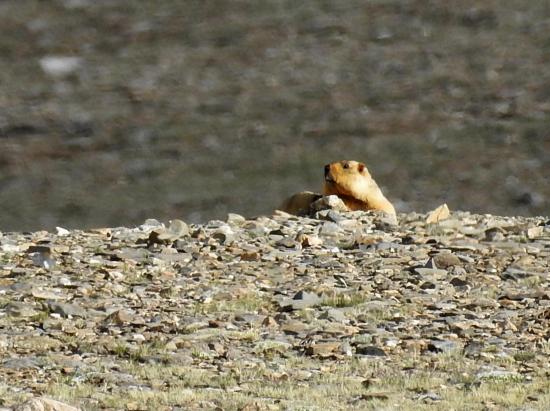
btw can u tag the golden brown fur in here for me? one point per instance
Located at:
(299, 203)
(352, 182)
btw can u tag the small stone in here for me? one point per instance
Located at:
(370, 350)
(440, 213)
(235, 219)
(431, 264)
(288, 242)
(431, 272)
(62, 232)
(224, 234)
(294, 327)
(250, 256)
(443, 346)
(301, 300)
(18, 309)
(322, 349)
(458, 282)
(333, 315)
(473, 349)
(385, 222)
(309, 240)
(494, 234)
(45, 404)
(60, 66)
(535, 232)
(150, 224)
(332, 202)
(445, 260)
(485, 373)
(21, 363)
(119, 317)
(217, 347)
(345, 349)
(176, 230)
(427, 286)
(46, 294)
(429, 396)
(269, 322)
(67, 310)
(330, 229)
(371, 396)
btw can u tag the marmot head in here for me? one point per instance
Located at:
(348, 178)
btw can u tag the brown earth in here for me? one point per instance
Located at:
(193, 109)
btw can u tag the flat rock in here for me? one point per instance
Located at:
(44, 404)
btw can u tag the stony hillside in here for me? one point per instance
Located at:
(338, 311)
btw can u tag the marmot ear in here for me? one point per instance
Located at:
(360, 167)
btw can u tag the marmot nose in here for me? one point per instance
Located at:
(327, 169)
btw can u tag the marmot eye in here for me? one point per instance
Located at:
(346, 165)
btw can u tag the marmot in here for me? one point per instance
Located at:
(349, 180)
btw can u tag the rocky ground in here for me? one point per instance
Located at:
(333, 311)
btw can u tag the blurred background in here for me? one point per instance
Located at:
(112, 112)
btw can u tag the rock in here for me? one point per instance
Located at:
(67, 309)
(494, 234)
(431, 264)
(301, 300)
(445, 260)
(60, 66)
(309, 240)
(370, 350)
(430, 272)
(119, 317)
(325, 348)
(473, 349)
(44, 404)
(458, 282)
(148, 225)
(17, 309)
(487, 373)
(440, 213)
(235, 219)
(375, 396)
(294, 328)
(431, 396)
(333, 315)
(176, 230)
(288, 242)
(62, 232)
(331, 202)
(535, 232)
(269, 322)
(21, 363)
(446, 346)
(41, 256)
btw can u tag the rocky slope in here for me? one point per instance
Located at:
(336, 311)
